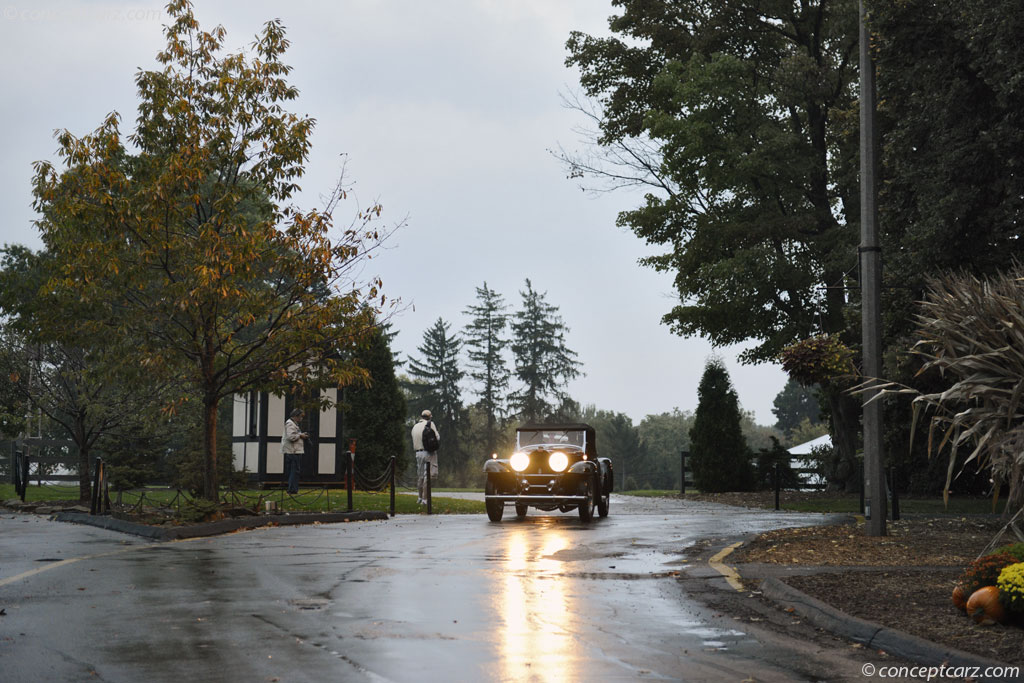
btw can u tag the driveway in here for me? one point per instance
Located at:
(414, 598)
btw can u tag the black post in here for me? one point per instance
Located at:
(349, 476)
(778, 483)
(20, 478)
(682, 473)
(895, 493)
(430, 497)
(106, 494)
(94, 499)
(860, 469)
(393, 465)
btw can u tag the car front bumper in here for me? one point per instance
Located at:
(530, 499)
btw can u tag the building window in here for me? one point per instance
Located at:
(254, 413)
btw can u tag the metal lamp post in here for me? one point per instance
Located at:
(871, 276)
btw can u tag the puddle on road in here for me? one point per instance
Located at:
(718, 639)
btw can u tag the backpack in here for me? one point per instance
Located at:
(430, 442)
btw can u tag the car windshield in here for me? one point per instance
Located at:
(526, 438)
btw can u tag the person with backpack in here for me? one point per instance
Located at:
(425, 441)
(292, 448)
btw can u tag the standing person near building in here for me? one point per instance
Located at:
(425, 441)
(292, 448)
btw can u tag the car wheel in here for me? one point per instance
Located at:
(603, 500)
(521, 510)
(495, 509)
(587, 507)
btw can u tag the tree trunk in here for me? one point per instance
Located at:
(84, 475)
(211, 489)
(845, 473)
(84, 464)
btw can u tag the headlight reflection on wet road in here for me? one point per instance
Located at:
(534, 612)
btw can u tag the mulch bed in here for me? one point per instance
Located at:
(903, 580)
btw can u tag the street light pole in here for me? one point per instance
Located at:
(871, 278)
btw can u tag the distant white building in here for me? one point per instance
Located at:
(799, 461)
(257, 425)
(807, 447)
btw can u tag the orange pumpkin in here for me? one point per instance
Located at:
(984, 607)
(959, 599)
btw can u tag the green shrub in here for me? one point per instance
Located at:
(1015, 549)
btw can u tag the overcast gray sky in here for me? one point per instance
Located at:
(445, 110)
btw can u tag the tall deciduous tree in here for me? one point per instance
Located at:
(543, 361)
(79, 385)
(188, 239)
(739, 117)
(720, 458)
(486, 342)
(952, 115)
(953, 147)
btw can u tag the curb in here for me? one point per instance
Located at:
(870, 634)
(215, 528)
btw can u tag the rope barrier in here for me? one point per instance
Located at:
(131, 501)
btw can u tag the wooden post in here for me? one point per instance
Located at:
(349, 466)
(393, 465)
(778, 483)
(682, 473)
(430, 497)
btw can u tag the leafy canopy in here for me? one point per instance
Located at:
(737, 116)
(187, 239)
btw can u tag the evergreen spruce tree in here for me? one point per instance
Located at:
(543, 362)
(719, 457)
(485, 341)
(436, 376)
(375, 414)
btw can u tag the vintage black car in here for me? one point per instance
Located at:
(554, 467)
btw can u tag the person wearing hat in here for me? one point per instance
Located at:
(426, 452)
(292, 449)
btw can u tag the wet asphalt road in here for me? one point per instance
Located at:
(415, 598)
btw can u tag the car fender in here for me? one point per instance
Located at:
(496, 467)
(584, 467)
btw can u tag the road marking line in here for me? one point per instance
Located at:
(72, 560)
(729, 573)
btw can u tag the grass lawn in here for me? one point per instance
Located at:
(308, 500)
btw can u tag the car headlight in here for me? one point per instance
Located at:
(519, 461)
(558, 461)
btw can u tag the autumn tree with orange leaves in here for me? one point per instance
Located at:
(187, 240)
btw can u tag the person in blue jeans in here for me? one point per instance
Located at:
(292, 449)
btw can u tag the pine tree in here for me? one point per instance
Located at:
(719, 456)
(543, 362)
(436, 376)
(484, 337)
(375, 414)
